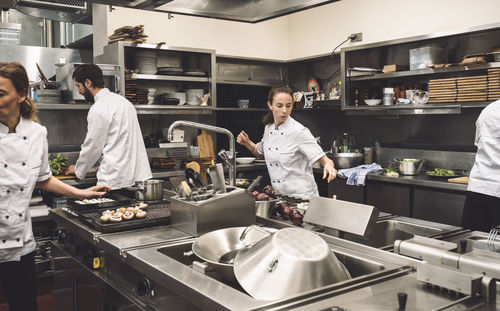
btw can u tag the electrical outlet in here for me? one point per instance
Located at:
(357, 37)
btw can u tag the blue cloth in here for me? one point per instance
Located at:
(357, 175)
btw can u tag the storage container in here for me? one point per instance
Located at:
(426, 57)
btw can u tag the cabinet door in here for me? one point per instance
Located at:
(345, 192)
(266, 73)
(438, 206)
(389, 198)
(233, 72)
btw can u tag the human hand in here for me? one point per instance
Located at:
(329, 171)
(243, 139)
(95, 191)
(70, 170)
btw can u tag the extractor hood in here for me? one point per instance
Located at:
(71, 11)
(250, 11)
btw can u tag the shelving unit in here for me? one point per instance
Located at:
(141, 109)
(122, 53)
(377, 55)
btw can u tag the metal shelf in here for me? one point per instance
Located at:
(406, 109)
(141, 109)
(161, 109)
(240, 109)
(427, 71)
(63, 106)
(250, 83)
(139, 76)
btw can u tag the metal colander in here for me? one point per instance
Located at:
(296, 259)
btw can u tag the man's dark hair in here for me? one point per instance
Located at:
(91, 72)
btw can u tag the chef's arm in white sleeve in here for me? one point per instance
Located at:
(53, 184)
(92, 148)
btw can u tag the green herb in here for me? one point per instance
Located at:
(392, 168)
(441, 172)
(58, 164)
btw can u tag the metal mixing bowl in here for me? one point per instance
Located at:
(346, 160)
(409, 166)
(211, 246)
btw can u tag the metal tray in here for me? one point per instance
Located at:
(157, 214)
(119, 200)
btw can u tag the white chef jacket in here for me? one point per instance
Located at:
(23, 162)
(485, 174)
(114, 137)
(290, 151)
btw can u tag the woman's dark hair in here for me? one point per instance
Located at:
(91, 72)
(16, 73)
(268, 118)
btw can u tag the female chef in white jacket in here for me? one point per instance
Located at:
(289, 148)
(23, 166)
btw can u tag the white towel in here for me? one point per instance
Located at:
(357, 175)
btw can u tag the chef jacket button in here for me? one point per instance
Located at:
(281, 133)
(24, 137)
(279, 181)
(22, 189)
(18, 239)
(270, 132)
(6, 216)
(276, 148)
(5, 165)
(270, 164)
(8, 191)
(20, 215)
(24, 163)
(4, 241)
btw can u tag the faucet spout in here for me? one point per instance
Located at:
(232, 148)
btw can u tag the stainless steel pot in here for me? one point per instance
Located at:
(148, 190)
(288, 262)
(213, 246)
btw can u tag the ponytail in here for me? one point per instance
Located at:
(29, 110)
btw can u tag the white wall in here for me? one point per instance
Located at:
(312, 32)
(380, 20)
(268, 39)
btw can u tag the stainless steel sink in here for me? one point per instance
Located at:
(356, 265)
(385, 232)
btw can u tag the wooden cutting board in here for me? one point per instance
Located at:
(459, 180)
(205, 145)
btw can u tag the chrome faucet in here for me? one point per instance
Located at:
(231, 155)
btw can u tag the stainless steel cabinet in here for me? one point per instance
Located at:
(345, 192)
(250, 72)
(389, 198)
(438, 206)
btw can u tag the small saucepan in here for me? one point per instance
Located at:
(148, 190)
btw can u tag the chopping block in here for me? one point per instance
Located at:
(205, 145)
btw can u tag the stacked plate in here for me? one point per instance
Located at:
(443, 90)
(170, 71)
(151, 96)
(195, 72)
(145, 61)
(472, 88)
(494, 84)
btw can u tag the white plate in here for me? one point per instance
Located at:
(245, 160)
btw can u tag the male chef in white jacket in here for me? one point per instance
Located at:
(113, 134)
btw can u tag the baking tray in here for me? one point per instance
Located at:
(157, 214)
(119, 200)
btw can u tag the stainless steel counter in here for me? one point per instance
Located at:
(418, 180)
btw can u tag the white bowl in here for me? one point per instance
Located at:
(245, 160)
(372, 102)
